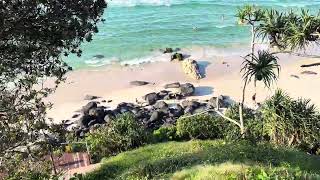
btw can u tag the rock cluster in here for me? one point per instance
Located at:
(191, 68)
(153, 115)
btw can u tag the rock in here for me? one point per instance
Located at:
(161, 105)
(213, 102)
(191, 68)
(188, 110)
(104, 101)
(224, 101)
(200, 109)
(75, 115)
(176, 110)
(90, 97)
(109, 101)
(194, 104)
(108, 118)
(163, 93)
(168, 50)
(187, 89)
(172, 85)
(155, 116)
(139, 83)
(90, 105)
(167, 97)
(92, 122)
(177, 56)
(84, 121)
(98, 114)
(151, 98)
(98, 56)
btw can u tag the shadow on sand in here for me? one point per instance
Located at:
(202, 67)
(203, 91)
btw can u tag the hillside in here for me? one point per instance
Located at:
(207, 160)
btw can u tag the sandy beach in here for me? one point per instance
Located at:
(221, 77)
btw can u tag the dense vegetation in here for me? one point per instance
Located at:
(256, 144)
(34, 35)
(206, 159)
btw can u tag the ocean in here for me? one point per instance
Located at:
(136, 30)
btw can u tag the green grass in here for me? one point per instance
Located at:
(205, 160)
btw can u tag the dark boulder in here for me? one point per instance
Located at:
(98, 56)
(84, 121)
(98, 114)
(139, 83)
(151, 98)
(187, 89)
(172, 85)
(176, 111)
(161, 105)
(213, 102)
(168, 50)
(177, 56)
(224, 101)
(90, 97)
(163, 94)
(156, 116)
(75, 115)
(188, 110)
(200, 109)
(92, 122)
(87, 107)
(108, 118)
(167, 97)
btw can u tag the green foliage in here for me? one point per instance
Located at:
(249, 14)
(263, 67)
(253, 124)
(165, 133)
(241, 171)
(34, 35)
(290, 30)
(121, 134)
(290, 122)
(27, 170)
(161, 161)
(198, 127)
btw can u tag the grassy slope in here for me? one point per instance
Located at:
(180, 160)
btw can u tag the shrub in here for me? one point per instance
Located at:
(199, 127)
(252, 124)
(290, 122)
(165, 133)
(121, 134)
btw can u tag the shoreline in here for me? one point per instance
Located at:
(222, 77)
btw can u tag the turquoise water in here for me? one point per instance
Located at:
(135, 29)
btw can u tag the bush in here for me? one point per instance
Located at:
(199, 127)
(252, 124)
(290, 122)
(165, 133)
(121, 134)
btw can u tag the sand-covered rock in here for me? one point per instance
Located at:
(191, 68)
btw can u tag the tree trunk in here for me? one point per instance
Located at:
(242, 130)
(52, 161)
(253, 38)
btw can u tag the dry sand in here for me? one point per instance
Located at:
(222, 77)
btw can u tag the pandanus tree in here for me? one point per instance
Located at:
(257, 68)
(290, 31)
(250, 15)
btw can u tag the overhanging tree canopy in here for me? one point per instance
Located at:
(34, 35)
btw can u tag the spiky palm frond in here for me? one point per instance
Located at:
(249, 14)
(263, 67)
(300, 30)
(272, 27)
